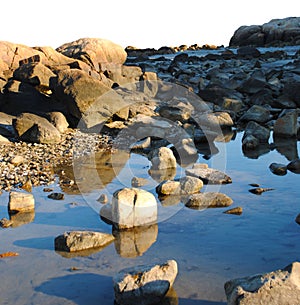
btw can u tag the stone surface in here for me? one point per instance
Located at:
(20, 202)
(162, 158)
(144, 285)
(81, 240)
(275, 288)
(32, 128)
(286, 126)
(209, 200)
(94, 51)
(209, 175)
(132, 207)
(277, 32)
(168, 187)
(58, 120)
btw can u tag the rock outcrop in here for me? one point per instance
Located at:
(277, 32)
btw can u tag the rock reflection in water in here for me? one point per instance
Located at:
(262, 149)
(135, 242)
(163, 174)
(286, 147)
(21, 218)
(95, 171)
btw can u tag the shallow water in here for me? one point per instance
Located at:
(210, 247)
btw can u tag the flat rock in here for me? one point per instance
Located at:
(275, 288)
(209, 175)
(81, 240)
(144, 285)
(209, 200)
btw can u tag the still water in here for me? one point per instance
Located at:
(210, 247)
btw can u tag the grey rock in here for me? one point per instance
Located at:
(144, 285)
(286, 126)
(209, 175)
(274, 288)
(81, 240)
(257, 114)
(209, 200)
(259, 132)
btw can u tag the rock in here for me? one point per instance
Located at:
(144, 285)
(232, 104)
(85, 98)
(277, 32)
(17, 160)
(254, 129)
(6, 223)
(286, 126)
(250, 142)
(32, 128)
(135, 242)
(209, 200)
(56, 196)
(81, 240)
(209, 175)
(214, 121)
(260, 190)
(142, 144)
(138, 181)
(294, 166)
(58, 120)
(162, 158)
(248, 51)
(234, 211)
(103, 198)
(190, 185)
(4, 139)
(106, 213)
(172, 113)
(278, 169)
(132, 207)
(298, 219)
(257, 114)
(20, 202)
(94, 51)
(169, 187)
(274, 288)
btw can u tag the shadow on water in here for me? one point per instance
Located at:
(92, 289)
(42, 243)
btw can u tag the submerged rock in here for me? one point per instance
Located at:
(275, 288)
(144, 285)
(81, 240)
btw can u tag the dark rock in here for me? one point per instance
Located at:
(278, 169)
(294, 166)
(56, 196)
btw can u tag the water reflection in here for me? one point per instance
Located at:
(286, 147)
(262, 149)
(135, 242)
(21, 218)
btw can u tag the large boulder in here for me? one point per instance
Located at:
(162, 158)
(274, 288)
(85, 98)
(132, 207)
(32, 128)
(286, 125)
(144, 285)
(277, 32)
(94, 51)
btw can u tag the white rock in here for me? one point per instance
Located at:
(20, 202)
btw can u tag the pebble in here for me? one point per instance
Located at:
(56, 196)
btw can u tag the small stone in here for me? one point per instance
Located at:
(103, 198)
(260, 190)
(138, 182)
(48, 189)
(234, 211)
(17, 160)
(278, 169)
(20, 202)
(298, 219)
(81, 240)
(56, 196)
(6, 223)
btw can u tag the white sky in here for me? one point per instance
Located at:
(138, 23)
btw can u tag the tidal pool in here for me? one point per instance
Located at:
(210, 247)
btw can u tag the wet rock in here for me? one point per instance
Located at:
(20, 202)
(278, 169)
(209, 200)
(56, 196)
(81, 240)
(274, 288)
(286, 126)
(135, 242)
(162, 158)
(132, 207)
(144, 285)
(103, 198)
(294, 166)
(260, 190)
(209, 175)
(234, 211)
